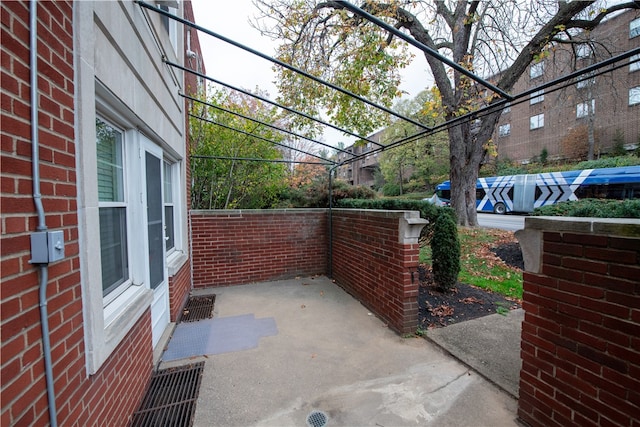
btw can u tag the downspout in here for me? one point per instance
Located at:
(43, 268)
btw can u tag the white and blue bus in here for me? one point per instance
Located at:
(524, 193)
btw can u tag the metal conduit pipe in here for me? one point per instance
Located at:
(43, 269)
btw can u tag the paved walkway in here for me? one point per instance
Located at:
(331, 355)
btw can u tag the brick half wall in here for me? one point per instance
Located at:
(374, 253)
(375, 258)
(231, 247)
(581, 332)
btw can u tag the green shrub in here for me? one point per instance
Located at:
(445, 252)
(598, 208)
(391, 189)
(446, 259)
(608, 162)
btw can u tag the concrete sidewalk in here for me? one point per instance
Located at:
(331, 355)
(489, 344)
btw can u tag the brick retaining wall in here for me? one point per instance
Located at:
(581, 333)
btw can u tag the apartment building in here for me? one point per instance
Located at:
(361, 171)
(559, 121)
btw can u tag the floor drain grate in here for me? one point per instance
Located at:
(317, 419)
(171, 397)
(198, 308)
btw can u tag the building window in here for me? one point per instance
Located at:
(634, 95)
(584, 108)
(170, 25)
(536, 70)
(112, 207)
(634, 28)
(584, 51)
(536, 122)
(634, 63)
(169, 209)
(507, 108)
(504, 130)
(586, 80)
(536, 97)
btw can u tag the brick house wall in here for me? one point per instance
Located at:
(111, 393)
(581, 332)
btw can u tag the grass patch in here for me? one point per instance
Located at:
(479, 266)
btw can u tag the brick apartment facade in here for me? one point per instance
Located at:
(111, 138)
(527, 128)
(561, 115)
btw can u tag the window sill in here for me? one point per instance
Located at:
(175, 261)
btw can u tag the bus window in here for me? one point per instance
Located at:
(444, 194)
(480, 193)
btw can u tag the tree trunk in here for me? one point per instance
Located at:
(467, 150)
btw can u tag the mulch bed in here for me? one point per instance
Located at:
(464, 302)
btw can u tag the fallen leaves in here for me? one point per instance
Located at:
(441, 310)
(471, 300)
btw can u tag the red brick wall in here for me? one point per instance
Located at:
(179, 287)
(236, 247)
(371, 264)
(581, 333)
(110, 396)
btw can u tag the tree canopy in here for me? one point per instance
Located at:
(223, 176)
(497, 39)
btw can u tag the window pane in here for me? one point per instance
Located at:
(536, 70)
(634, 95)
(537, 96)
(168, 192)
(634, 28)
(536, 122)
(582, 109)
(113, 248)
(110, 165)
(634, 63)
(168, 218)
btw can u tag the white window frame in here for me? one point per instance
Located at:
(536, 70)
(634, 63)
(125, 136)
(108, 318)
(536, 122)
(582, 109)
(634, 28)
(536, 97)
(634, 96)
(504, 130)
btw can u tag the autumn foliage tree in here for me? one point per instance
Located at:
(497, 38)
(224, 173)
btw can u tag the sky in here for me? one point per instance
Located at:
(242, 69)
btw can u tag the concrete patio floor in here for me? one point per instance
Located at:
(331, 354)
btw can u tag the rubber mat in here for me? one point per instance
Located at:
(218, 335)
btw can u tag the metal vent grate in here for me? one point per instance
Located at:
(317, 419)
(171, 398)
(198, 308)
